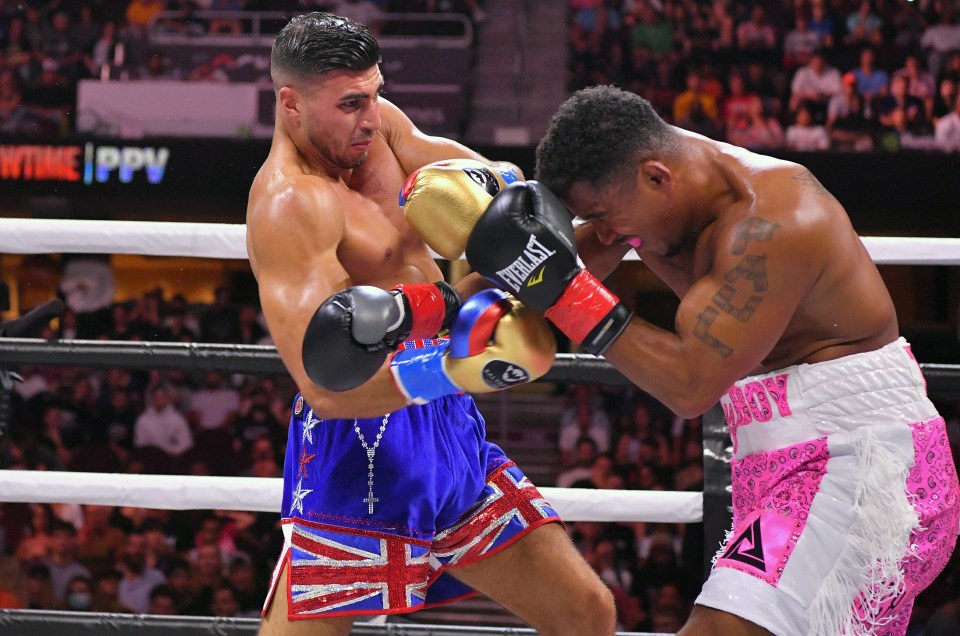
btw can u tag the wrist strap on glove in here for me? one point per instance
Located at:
(589, 313)
(429, 308)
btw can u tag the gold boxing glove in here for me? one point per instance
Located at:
(495, 342)
(443, 200)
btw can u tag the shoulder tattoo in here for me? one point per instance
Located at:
(807, 180)
(744, 285)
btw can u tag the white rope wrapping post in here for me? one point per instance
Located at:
(176, 492)
(224, 240)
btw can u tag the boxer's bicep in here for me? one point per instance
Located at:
(412, 147)
(732, 318)
(295, 242)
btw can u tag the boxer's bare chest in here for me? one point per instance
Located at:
(379, 247)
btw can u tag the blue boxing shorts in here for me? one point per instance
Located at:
(376, 510)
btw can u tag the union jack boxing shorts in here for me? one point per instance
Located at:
(376, 510)
(845, 497)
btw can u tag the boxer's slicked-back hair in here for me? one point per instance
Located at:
(597, 136)
(314, 44)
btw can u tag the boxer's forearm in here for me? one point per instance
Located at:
(377, 396)
(471, 284)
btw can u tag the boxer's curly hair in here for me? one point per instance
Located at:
(314, 44)
(598, 135)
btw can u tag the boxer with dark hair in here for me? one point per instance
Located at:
(393, 500)
(844, 488)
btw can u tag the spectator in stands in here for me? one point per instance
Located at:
(813, 85)
(263, 459)
(161, 425)
(649, 30)
(106, 592)
(800, 43)
(847, 123)
(251, 332)
(756, 34)
(180, 581)
(821, 23)
(952, 68)
(582, 417)
(50, 98)
(223, 24)
(722, 24)
(163, 601)
(947, 132)
(667, 619)
(683, 104)
(224, 602)
(16, 47)
(207, 71)
(215, 405)
(85, 31)
(79, 594)
(805, 135)
(872, 83)
(899, 103)
(138, 579)
(104, 51)
(206, 576)
(755, 130)
(941, 38)
(14, 115)
(145, 323)
(39, 592)
(220, 322)
(699, 122)
(35, 544)
(943, 102)
(600, 472)
(585, 455)
(141, 14)
(243, 579)
(920, 84)
(864, 26)
(61, 562)
(98, 542)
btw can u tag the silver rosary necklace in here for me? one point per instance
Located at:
(371, 453)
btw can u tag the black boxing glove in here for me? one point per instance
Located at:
(524, 243)
(352, 332)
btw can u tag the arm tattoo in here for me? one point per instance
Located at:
(752, 268)
(724, 300)
(702, 332)
(806, 178)
(753, 229)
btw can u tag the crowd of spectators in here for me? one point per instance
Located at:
(48, 46)
(805, 75)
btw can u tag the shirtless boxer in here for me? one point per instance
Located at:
(406, 506)
(844, 488)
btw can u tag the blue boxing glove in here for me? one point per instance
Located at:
(495, 342)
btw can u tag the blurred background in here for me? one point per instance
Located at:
(163, 110)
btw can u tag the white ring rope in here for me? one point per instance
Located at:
(176, 492)
(224, 240)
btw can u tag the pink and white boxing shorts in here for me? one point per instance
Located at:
(844, 497)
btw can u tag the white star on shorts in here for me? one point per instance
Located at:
(298, 496)
(309, 422)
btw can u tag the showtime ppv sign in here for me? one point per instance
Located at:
(90, 163)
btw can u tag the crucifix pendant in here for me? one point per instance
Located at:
(370, 500)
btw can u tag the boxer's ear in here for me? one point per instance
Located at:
(654, 174)
(288, 99)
